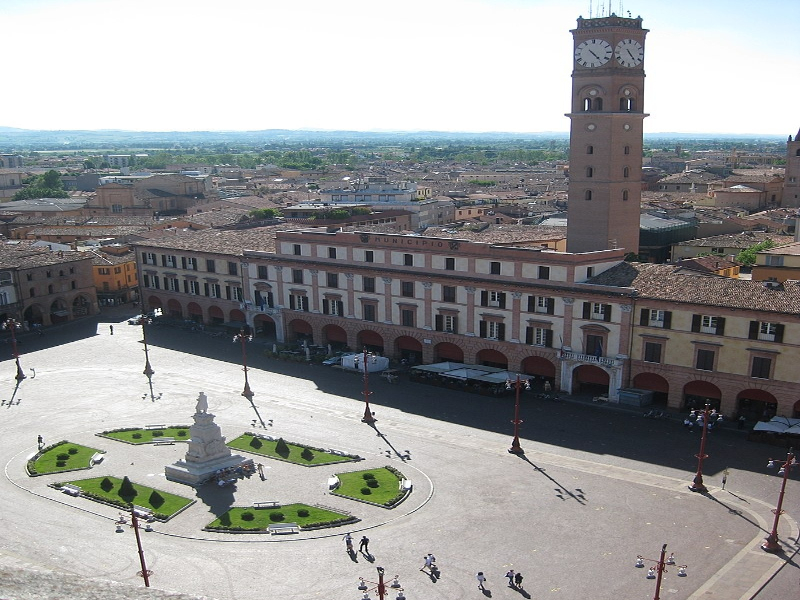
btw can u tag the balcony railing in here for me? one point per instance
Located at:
(591, 359)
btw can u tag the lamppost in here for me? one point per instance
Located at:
(148, 370)
(380, 586)
(659, 568)
(144, 573)
(771, 543)
(697, 483)
(515, 447)
(12, 325)
(247, 393)
(368, 416)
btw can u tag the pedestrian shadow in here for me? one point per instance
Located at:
(561, 490)
(735, 511)
(11, 402)
(738, 497)
(433, 575)
(353, 556)
(369, 558)
(402, 456)
(521, 591)
(487, 592)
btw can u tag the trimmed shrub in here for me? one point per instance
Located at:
(183, 433)
(307, 454)
(156, 499)
(281, 449)
(303, 512)
(256, 443)
(62, 456)
(276, 516)
(61, 463)
(136, 436)
(366, 491)
(157, 433)
(248, 516)
(106, 485)
(368, 476)
(126, 490)
(373, 483)
(72, 450)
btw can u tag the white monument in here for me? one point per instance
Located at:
(207, 451)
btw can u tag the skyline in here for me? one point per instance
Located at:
(440, 65)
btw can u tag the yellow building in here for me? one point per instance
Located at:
(115, 275)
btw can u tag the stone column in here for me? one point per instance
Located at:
(427, 305)
(351, 297)
(387, 299)
(313, 305)
(515, 317)
(470, 325)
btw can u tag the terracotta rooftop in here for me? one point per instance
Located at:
(23, 256)
(232, 242)
(738, 240)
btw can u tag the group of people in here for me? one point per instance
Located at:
(514, 579)
(697, 417)
(363, 544)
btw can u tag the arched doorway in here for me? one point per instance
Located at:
(195, 312)
(58, 311)
(335, 336)
(300, 331)
(370, 341)
(697, 393)
(447, 352)
(796, 411)
(174, 309)
(491, 358)
(409, 349)
(238, 316)
(153, 303)
(542, 370)
(33, 314)
(656, 384)
(81, 306)
(215, 315)
(590, 379)
(756, 405)
(265, 327)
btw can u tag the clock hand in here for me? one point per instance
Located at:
(630, 54)
(593, 54)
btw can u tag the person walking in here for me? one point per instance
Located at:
(518, 580)
(348, 542)
(363, 545)
(510, 576)
(481, 580)
(111, 329)
(261, 471)
(429, 560)
(40, 441)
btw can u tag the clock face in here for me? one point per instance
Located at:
(629, 53)
(593, 53)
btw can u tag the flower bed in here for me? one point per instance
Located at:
(288, 451)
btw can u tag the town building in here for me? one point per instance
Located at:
(115, 276)
(791, 184)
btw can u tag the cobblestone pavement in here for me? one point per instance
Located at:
(597, 486)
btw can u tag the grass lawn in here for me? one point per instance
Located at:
(386, 493)
(163, 504)
(261, 517)
(63, 456)
(291, 452)
(148, 436)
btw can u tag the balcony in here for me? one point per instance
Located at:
(591, 359)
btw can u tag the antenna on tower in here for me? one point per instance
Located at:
(591, 15)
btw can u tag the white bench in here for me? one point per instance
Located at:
(155, 426)
(164, 441)
(405, 485)
(97, 458)
(141, 512)
(283, 528)
(333, 482)
(267, 504)
(72, 490)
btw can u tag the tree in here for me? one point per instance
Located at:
(748, 256)
(48, 185)
(126, 490)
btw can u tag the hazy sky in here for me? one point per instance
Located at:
(727, 66)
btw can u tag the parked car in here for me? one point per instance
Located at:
(333, 360)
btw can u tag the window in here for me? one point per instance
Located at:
(369, 284)
(589, 149)
(541, 304)
(595, 345)
(194, 287)
(149, 258)
(627, 150)
(652, 352)
(448, 293)
(708, 324)
(704, 361)
(407, 317)
(407, 289)
(332, 280)
(655, 318)
(262, 301)
(596, 311)
(104, 271)
(29, 276)
(32, 291)
(774, 261)
(493, 330)
(234, 293)
(450, 264)
(297, 276)
(544, 272)
(332, 307)
(296, 250)
(211, 265)
(298, 302)
(331, 252)
(3, 298)
(626, 172)
(766, 332)
(369, 256)
(213, 290)
(50, 289)
(589, 171)
(587, 195)
(48, 274)
(589, 272)
(539, 336)
(446, 323)
(263, 272)
(167, 260)
(494, 268)
(408, 260)
(624, 195)
(761, 367)
(233, 268)
(173, 284)
(188, 263)
(370, 312)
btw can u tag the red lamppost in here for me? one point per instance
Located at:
(515, 447)
(247, 393)
(380, 586)
(697, 483)
(144, 573)
(12, 325)
(771, 543)
(659, 568)
(368, 416)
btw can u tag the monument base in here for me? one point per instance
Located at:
(196, 473)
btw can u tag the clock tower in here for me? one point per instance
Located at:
(606, 131)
